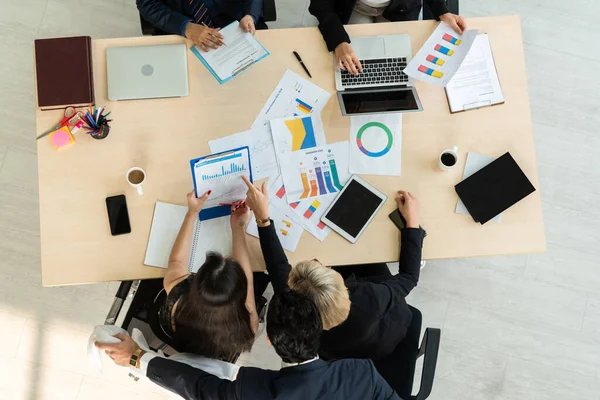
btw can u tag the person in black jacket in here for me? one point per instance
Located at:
(200, 20)
(293, 328)
(333, 14)
(365, 315)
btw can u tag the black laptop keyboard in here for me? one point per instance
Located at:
(380, 71)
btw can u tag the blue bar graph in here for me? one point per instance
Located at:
(233, 169)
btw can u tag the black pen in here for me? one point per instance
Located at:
(302, 63)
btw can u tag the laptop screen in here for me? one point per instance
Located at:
(377, 101)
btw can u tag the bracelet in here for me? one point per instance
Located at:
(263, 222)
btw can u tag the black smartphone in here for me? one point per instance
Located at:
(398, 219)
(118, 216)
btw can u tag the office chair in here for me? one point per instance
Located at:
(269, 14)
(399, 368)
(143, 310)
(452, 7)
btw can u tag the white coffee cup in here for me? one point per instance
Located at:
(448, 159)
(136, 178)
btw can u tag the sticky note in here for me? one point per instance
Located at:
(61, 138)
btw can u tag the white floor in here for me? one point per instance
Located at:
(522, 327)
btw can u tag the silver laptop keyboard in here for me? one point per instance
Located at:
(378, 71)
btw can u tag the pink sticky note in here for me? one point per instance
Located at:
(61, 138)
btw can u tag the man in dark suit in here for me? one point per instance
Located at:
(293, 327)
(334, 14)
(200, 20)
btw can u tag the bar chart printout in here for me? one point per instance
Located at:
(221, 174)
(441, 55)
(315, 172)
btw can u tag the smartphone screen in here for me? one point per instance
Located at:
(118, 216)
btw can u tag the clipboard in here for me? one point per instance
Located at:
(217, 211)
(493, 71)
(245, 64)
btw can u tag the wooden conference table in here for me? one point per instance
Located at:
(162, 135)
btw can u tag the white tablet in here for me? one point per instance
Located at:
(354, 208)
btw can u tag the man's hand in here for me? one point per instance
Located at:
(203, 36)
(195, 204)
(240, 215)
(120, 352)
(455, 21)
(409, 207)
(257, 199)
(347, 59)
(247, 24)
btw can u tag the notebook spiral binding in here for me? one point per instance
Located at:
(194, 245)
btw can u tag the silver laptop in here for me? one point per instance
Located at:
(147, 72)
(382, 87)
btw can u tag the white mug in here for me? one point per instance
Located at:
(452, 152)
(137, 182)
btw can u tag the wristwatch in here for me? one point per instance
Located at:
(134, 361)
(263, 222)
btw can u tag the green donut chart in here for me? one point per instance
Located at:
(373, 153)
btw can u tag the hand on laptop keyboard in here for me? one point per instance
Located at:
(384, 71)
(347, 60)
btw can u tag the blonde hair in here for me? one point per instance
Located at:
(325, 287)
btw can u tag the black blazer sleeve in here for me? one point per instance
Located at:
(410, 263)
(437, 7)
(190, 382)
(381, 389)
(330, 24)
(161, 16)
(278, 266)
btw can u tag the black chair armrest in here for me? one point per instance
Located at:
(269, 10)
(117, 304)
(430, 346)
(147, 28)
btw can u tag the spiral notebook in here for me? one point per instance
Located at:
(209, 235)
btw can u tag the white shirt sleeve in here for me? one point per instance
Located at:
(145, 360)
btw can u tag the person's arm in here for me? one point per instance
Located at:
(277, 263)
(192, 383)
(410, 247)
(381, 389)
(177, 269)
(437, 7)
(187, 381)
(240, 214)
(253, 8)
(330, 24)
(440, 11)
(162, 17)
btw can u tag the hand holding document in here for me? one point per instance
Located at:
(441, 55)
(241, 50)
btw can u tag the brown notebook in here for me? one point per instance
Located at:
(64, 72)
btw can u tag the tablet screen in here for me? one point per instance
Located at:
(353, 209)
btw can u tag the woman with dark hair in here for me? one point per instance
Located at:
(211, 313)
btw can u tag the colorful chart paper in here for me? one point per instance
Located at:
(288, 231)
(376, 144)
(294, 96)
(291, 134)
(307, 213)
(315, 172)
(441, 55)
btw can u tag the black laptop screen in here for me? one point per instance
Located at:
(379, 101)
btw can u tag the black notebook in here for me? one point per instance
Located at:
(494, 188)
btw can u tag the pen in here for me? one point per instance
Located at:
(302, 63)
(215, 36)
